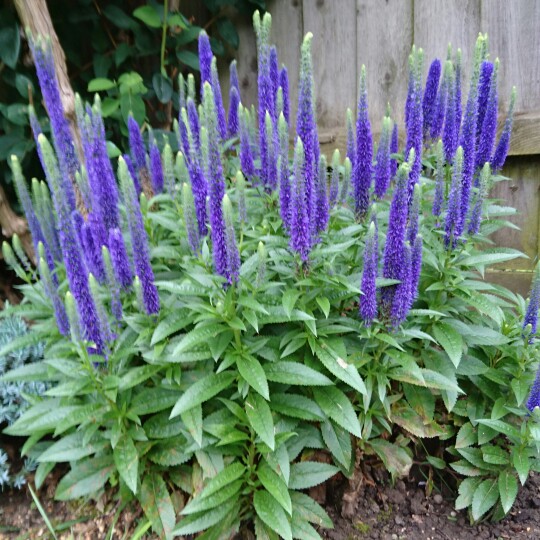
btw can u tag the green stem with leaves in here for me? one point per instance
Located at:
(164, 37)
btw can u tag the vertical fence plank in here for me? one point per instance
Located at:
(384, 38)
(514, 38)
(334, 57)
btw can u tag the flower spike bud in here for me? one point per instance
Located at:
(321, 201)
(334, 181)
(112, 284)
(402, 296)
(449, 135)
(414, 212)
(284, 86)
(476, 215)
(261, 264)
(430, 95)
(181, 91)
(351, 142)
(233, 77)
(271, 153)
(190, 221)
(501, 151)
(394, 149)
(205, 58)
(362, 172)
(300, 237)
(168, 171)
(232, 120)
(233, 256)
(368, 301)
(156, 169)
(241, 196)
(191, 93)
(416, 268)
(346, 185)
(73, 318)
(487, 130)
(12, 262)
(382, 167)
(457, 92)
(284, 172)
(246, 154)
(279, 101)
(119, 259)
(438, 198)
(218, 99)
(454, 201)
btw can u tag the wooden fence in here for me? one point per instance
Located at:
(379, 34)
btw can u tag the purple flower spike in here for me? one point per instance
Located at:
(454, 201)
(534, 396)
(382, 166)
(112, 284)
(457, 93)
(430, 95)
(136, 144)
(488, 129)
(402, 296)
(233, 256)
(139, 241)
(300, 234)
(233, 77)
(284, 173)
(156, 169)
(368, 301)
(414, 214)
(499, 156)
(450, 137)
(284, 85)
(484, 85)
(133, 173)
(232, 121)
(119, 259)
(218, 99)
(271, 154)
(194, 126)
(395, 236)
(321, 203)
(190, 220)
(531, 314)
(416, 268)
(351, 142)
(334, 181)
(205, 58)
(216, 182)
(394, 149)
(438, 198)
(362, 171)
(246, 155)
(476, 214)
(92, 253)
(441, 104)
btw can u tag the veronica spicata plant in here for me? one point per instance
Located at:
(233, 323)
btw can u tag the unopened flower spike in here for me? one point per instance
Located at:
(233, 256)
(321, 201)
(501, 151)
(346, 184)
(112, 284)
(241, 196)
(454, 201)
(368, 300)
(168, 171)
(334, 180)
(191, 93)
(218, 99)
(531, 313)
(449, 134)
(73, 318)
(430, 95)
(272, 153)
(416, 268)
(362, 172)
(233, 77)
(190, 221)
(394, 149)
(119, 259)
(382, 170)
(284, 172)
(438, 198)
(194, 125)
(300, 235)
(414, 212)
(351, 141)
(261, 265)
(181, 91)
(284, 86)
(483, 188)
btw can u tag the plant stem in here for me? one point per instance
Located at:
(164, 37)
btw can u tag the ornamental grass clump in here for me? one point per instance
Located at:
(229, 322)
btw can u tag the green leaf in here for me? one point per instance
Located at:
(157, 505)
(162, 87)
(272, 514)
(260, 418)
(484, 498)
(136, 376)
(175, 321)
(522, 463)
(198, 336)
(295, 373)
(297, 406)
(192, 418)
(36, 371)
(466, 491)
(338, 442)
(202, 391)
(253, 373)
(450, 340)
(324, 304)
(216, 499)
(85, 478)
(225, 477)
(71, 448)
(508, 490)
(309, 510)
(289, 300)
(276, 486)
(228, 32)
(148, 15)
(189, 58)
(194, 523)
(338, 407)
(303, 530)
(131, 102)
(307, 474)
(334, 363)
(395, 458)
(495, 455)
(502, 427)
(466, 436)
(169, 453)
(152, 400)
(100, 85)
(495, 257)
(126, 459)
(10, 44)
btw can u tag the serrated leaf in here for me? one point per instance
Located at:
(522, 463)
(202, 391)
(126, 459)
(71, 448)
(272, 514)
(212, 501)
(395, 458)
(157, 505)
(192, 418)
(275, 485)
(466, 491)
(495, 455)
(288, 300)
(466, 436)
(252, 304)
(296, 406)
(260, 418)
(225, 477)
(338, 407)
(197, 336)
(194, 523)
(339, 367)
(169, 453)
(309, 510)
(85, 478)
(450, 340)
(484, 259)
(152, 400)
(295, 373)
(338, 442)
(136, 376)
(484, 498)
(302, 530)
(175, 321)
(253, 373)
(324, 304)
(508, 490)
(502, 427)
(307, 474)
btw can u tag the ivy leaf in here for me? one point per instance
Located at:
(450, 340)
(162, 87)
(157, 505)
(272, 514)
(148, 15)
(202, 391)
(508, 490)
(484, 498)
(126, 459)
(189, 58)
(260, 418)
